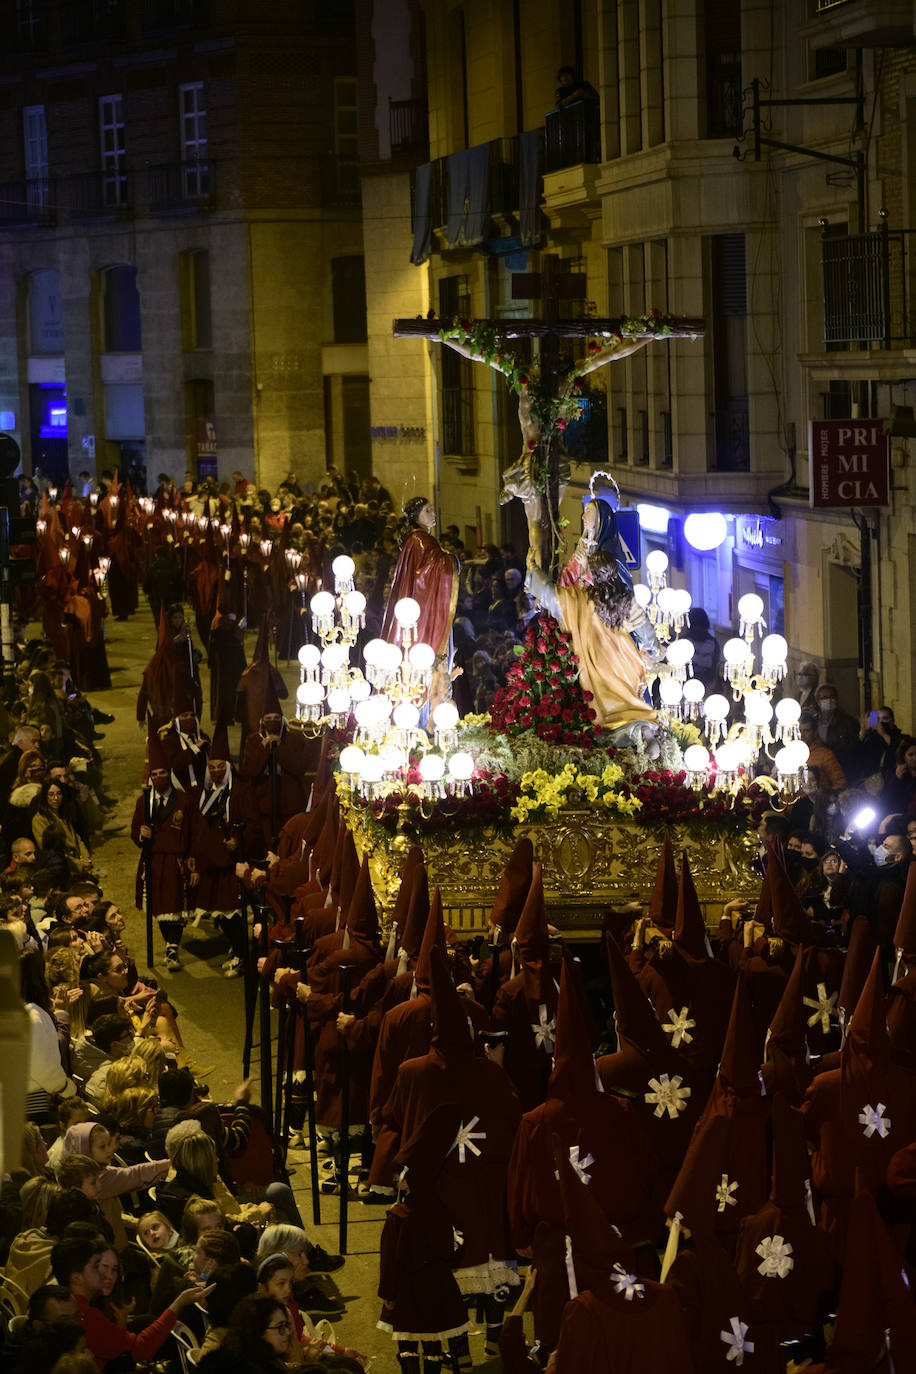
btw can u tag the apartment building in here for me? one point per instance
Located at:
(181, 263)
(684, 188)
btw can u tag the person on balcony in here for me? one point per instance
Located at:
(573, 88)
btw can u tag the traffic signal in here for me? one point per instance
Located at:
(14, 527)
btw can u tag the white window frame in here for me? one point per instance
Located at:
(192, 118)
(35, 148)
(113, 150)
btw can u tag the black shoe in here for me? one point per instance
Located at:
(316, 1303)
(102, 717)
(375, 1197)
(320, 1262)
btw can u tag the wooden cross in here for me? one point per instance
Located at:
(551, 287)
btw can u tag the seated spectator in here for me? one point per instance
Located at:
(114, 1036)
(47, 1076)
(29, 1261)
(156, 1235)
(258, 1340)
(75, 1265)
(85, 1054)
(48, 813)
(100, 1144)
(134, 1110)
(230, 1286)
(214, 1250)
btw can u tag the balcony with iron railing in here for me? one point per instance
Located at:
(408, 128)
(572, 135)
(861, 24)
(339, 177)
(866, 288)
(24, 203)
(98, 195)
(177, 188)
(156, 16)
(90, 21)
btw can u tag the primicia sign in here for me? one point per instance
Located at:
(850, 464)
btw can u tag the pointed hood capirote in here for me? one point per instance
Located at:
(219, 744)
(663, 903)
(790, 922)
(423, 1156)
(451, 1034)
(574, 1075)
(402, 900)
(905, 932)
(634, 1016)
(785, 1067)
(433, 938)
(859, 958)
(690, 927)
(362, 913)
(739, 1066)
(260, 686)
(513, 887)
(532, 940)
(595, 1246)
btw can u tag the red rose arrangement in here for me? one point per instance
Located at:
(668, 799)
(488, 804)
(543, 692)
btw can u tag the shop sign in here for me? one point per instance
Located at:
(850, 464)
(206, 448)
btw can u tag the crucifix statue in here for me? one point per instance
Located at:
(549, 391)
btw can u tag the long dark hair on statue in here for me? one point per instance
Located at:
(608, 593)
(409, 523)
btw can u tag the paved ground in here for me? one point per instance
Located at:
(210, 1007)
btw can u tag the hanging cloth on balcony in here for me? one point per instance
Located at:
(468, 196)
(422, 215)
(530, 184)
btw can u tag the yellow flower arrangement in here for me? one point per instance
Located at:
(543, 795)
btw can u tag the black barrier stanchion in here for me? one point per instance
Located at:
(267, 1085)
(344, 1164)
(282, 1052)
(249, 980)
(309, 1056)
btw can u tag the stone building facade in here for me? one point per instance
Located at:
(657, 196)
(181, 270)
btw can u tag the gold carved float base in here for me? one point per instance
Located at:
(589, 864)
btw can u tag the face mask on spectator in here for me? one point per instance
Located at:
(882, 856)
(827, 705)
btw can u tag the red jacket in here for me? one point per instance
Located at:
(106, 1340)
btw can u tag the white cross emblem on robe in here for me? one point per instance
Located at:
(545, 1029)
(465, 1138)
(667, 1095)
(873, 1119)
(823, 1007)
(580, 1165)
(725, 1194)
(679, 1027)
(737, 1341)
(776, 1260)
(626, 1283)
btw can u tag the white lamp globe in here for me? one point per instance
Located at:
(680, 652)
(694, 690)
(750, 607)
(343, 567)
(393, 757)
(797, 752)
(670, 691)
(322, 604)
(407, 611)
(736, 650)
(352, 759)
(696, 758)
(641, 594)
(728, 758)
(364, 713)
(773, 649)
(787, 711)
(421, 657)
(656, 562)
(309, 693)
(432, 767)
(374, 652)
(379, 708)
(667, 601)
(391, 658)
(757, 708)
(360, 689)
(705, 530)
(683, 600)
(784, 761)
(372, 769)
(460, 766)
(338, 700)
(406, 716)
(716, 707)
(309, 656)
(355, 604)
(334, 657)
(445, 716)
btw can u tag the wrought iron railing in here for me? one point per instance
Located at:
(572, 135)
(732, 436)
(866, 287)
(175, 187)
(90, 21)
(339, 181)
(458, 420)
(91, 194)
(173, 14)
(408, 126)
(27, 202)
